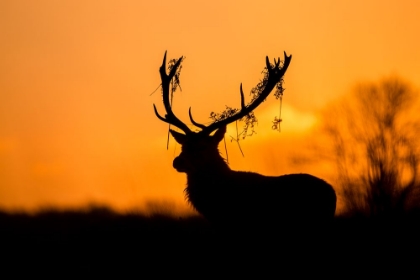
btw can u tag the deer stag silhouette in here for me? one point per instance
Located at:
(225, 196)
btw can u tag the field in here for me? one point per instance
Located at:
(99, 240)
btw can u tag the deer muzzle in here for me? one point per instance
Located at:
(179, 164)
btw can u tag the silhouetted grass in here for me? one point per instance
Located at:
(101, 239)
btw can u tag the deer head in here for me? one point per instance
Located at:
(199, 149)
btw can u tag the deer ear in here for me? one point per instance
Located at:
(219, 134)
(179, 137)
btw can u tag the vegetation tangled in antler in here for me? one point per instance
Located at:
(250, 119)
(175, 82)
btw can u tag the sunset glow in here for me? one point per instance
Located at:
(78, 83)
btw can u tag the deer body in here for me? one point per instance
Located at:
(225, 196)
(251, 197)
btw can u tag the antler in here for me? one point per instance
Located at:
(166, 79)
(274, 75)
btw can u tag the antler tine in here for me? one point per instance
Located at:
(274, 75)
(202, 126)
(242, 97)
(166, 79)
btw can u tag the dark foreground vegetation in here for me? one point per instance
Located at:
(99, 240)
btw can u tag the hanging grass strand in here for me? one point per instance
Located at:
(281, 102)
(237, 139)
(279, 95)
(277, 121)
(227, 156)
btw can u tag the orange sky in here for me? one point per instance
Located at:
(76, 117)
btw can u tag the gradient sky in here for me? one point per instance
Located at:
(76, 118)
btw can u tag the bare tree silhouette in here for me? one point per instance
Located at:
(233, 197)
(374, 134)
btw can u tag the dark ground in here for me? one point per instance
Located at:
(99, 240)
